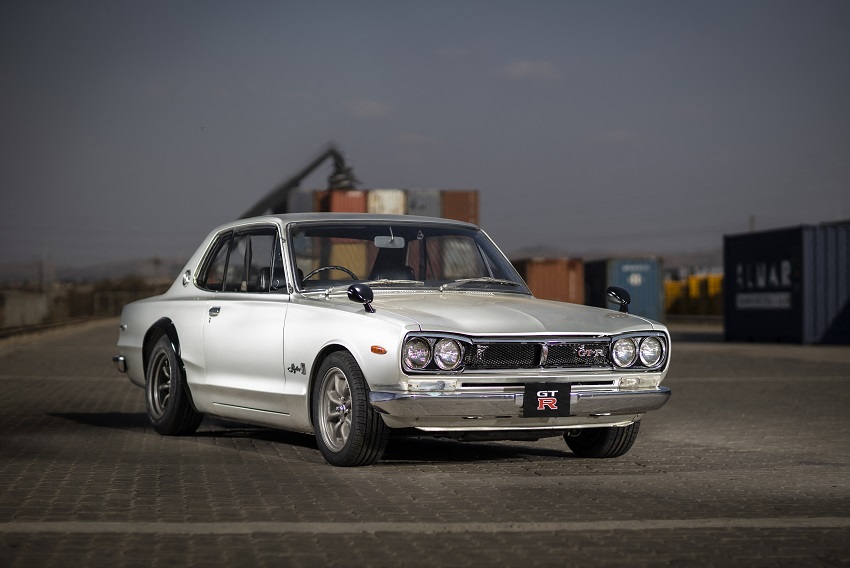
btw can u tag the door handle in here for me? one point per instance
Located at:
(214, 311)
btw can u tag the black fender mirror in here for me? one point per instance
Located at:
(617, 295)
(362, 294)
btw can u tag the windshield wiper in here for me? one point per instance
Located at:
(388, 281)
(381, 282)
(479, 280)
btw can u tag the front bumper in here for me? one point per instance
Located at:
(591, 404)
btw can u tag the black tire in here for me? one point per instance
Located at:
(610, 442)
(169, 409)
(349, 431)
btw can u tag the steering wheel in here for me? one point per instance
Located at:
(331, 267)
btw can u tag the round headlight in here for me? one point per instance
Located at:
(447, 354)
(417, 353)
(651, 351)
(624, 352)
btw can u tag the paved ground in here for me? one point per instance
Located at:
(748, 465)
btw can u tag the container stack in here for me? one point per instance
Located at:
(458, 204)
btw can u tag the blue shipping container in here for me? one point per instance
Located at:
(640, 276)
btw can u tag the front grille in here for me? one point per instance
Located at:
(503, 356)
(593, 354)
(532, 355)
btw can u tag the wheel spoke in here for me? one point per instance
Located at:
(334, 398)
(340, 386)
(336, 408)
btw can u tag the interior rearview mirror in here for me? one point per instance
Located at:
(390, 242)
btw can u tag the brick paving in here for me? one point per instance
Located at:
(747, 465)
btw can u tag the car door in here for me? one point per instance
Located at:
(243, 330)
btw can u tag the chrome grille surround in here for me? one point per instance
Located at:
(591, 353)
(548, 354)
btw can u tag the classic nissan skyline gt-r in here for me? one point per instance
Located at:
(356, 326)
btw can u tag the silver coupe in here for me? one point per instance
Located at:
(354, 327)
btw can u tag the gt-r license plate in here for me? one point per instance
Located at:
(546, 399)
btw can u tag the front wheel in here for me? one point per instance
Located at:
(609, 442)
(348, 430)
(169, 409)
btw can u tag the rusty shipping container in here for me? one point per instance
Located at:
(460, 204)
(340, 201)
(788, 285)
(387, 201)
(559, 279)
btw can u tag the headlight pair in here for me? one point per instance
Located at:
(627, 351)
(419, 353)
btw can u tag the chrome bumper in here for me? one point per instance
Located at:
(460, 404)
(120, 363)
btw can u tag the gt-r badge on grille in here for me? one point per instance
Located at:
(592, 352)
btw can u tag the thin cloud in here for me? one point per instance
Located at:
(525, 70)
(367, 108)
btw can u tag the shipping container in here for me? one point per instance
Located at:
(426, 203)
(340, 201)
(301, 201)
(559, 279)
(387, 201)
(788, 285)
(460, 205)
(675, 296)
(640, 276)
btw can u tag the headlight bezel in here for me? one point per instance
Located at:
(639, 361)
(436, 364)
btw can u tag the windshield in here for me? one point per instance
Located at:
(402, 255)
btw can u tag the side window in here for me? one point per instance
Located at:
(237, 265)
(245, 261)
(212, 277)
(253, 260)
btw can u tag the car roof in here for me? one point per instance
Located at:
(345, 217)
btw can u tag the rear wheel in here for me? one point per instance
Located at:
(169, 409)
(348, 430)
(611, 442)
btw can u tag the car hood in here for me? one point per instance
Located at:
(477, 313)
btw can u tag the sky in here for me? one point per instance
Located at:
(131, 129)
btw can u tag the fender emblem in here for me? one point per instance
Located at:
(298, 368)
